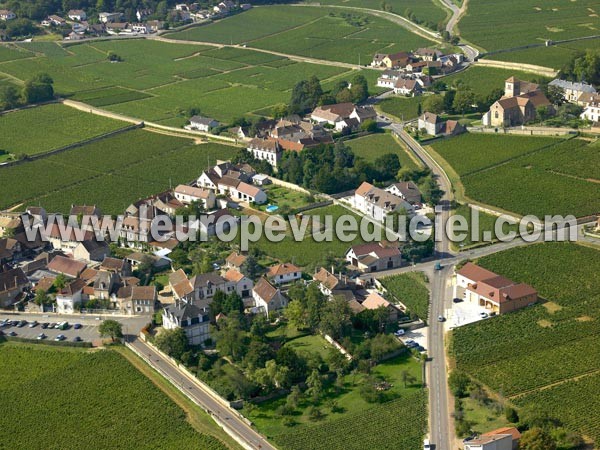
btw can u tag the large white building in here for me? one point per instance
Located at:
(191, 317)
(266, 150)
(378, 203)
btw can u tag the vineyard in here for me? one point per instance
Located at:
(411, 290)
(487, 223)
(373, 146)
(552, 342)
(399, 424)
(38, 130)
(110, 173)
(56, 393)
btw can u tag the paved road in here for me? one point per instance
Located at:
(189, 385)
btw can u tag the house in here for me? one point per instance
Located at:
(140, 28)
(188, 194)
(69, 297)
(9, 249)
(119, 266)
(10, 224)
(493, 292)
(506, 438)
(137, 300)
(55, 21)
(332, 114)
(104, 284)
(108, 17)
(6, 14)
(200, 123)
(191, 317)
(592, 110)
(13, 283)
(378, 203)
(267, 297)
(375, 301)
(518, 105)
(91, 250)
(265, 149)
(407, 87)
(374, 256)
(391, 61)
(434, 125)
(85, 211)
(240, 283)
(406, 190)
(66, 266)
(135, 259)
(199, 287)
(572, 91)
(235, 260)
(428, 54)
(77, 14)
(117, 28)
(248, 193)
(331, 284)
(284, 273)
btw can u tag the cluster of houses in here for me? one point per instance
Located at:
(410, 73)
(193, 12)
(582, 94)
(434, 125)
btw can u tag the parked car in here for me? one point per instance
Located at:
(77, 326)
(457, 300)
(441, 318)
(52, 325)
(41, 336)
(400, 332)
(60, 337)
(483, 315)
(33, 324)
(21, 323)
(76, 339)
(12, 333)
(45, 325)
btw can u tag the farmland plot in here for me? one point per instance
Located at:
(375, 145)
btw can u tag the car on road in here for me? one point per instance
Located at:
(483, 315)
(41, 336)
(12, 333)
(438, 266)
(33, 324)
(457, 300)
(44, 325)
(441, 318)
(77, 339)
(60, 337)
(77, 326)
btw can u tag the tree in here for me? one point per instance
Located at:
(9, 97)
(111, 328)
(231, 339)
(388, 165)
(459, 383)
(336, 318)
(511, 415)
(60, 281)
(315, 385)
(407, 378)
(41, 297)
(258, 354)
(434, 104)
(359, 89)
(250, 267)
(463, 101)
(272, 375)
(173, 342)
(449, 101)
(536, 439)
(296, 314)
(369, 125)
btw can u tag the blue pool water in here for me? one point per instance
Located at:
(272, 208)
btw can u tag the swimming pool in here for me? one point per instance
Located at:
(272, 208)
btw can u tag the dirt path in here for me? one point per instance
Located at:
(540, 70)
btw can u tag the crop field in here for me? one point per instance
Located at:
(487, 224)
(402, 107)
(553, 342)
(411, 290)
(314, 32)
(555, 56)
(513, 23)
(375, 145)
(38, 130)
(543, 173)
(483, 80)
(471, 152)
(223, 83)
(111, 173)
(52, 400)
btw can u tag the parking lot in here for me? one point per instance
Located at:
(463, 313)
(418, 335)
(31, 330)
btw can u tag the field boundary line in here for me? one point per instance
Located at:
(540, 70)
(589, 373)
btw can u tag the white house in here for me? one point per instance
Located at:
(188, 194)
(265, 149)
(140, 28)
(69, 297)
(108, 17)
(77, 14)
(241, 283)
(6, 14)
(592, 110)
(202, 123)
(406, 190)
(572, 91)
(377, 203)
(56, 21)
(191, 317)
(267, 297)
(284, 273)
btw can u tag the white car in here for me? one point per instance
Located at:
(400, 332)
(426, 444)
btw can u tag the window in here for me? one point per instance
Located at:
(496, 114)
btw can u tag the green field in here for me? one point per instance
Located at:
(314, 32)
(223, 83)
(411, 290)
(405, 413)
(483, 80)
(511, 23)
(404, 108)
(38, 130)
(526, 177)
(487, 223)
(522, 353)
(555, 56)
(110, 173)
(53, 398)
(373, 146)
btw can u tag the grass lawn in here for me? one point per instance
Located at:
(311, 344)
(313, 32)
(56, 381)
(404, 108)
(37, 130)
(523, 353)
(286, 199)
(375, 145)
(482, 417)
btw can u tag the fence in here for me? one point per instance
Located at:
(291, 186)
(524, 131)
